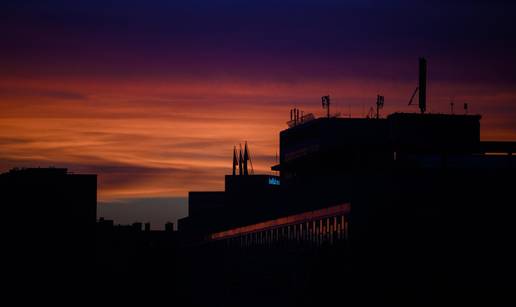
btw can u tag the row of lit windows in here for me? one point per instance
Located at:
(326, 230)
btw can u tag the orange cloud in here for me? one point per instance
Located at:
(158, 138)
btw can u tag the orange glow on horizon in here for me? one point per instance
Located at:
(165, 138)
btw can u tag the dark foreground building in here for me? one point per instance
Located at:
(409, 209)
(51, 215)
(412, 208)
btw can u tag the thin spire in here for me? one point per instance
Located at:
(235, 160)
(240, 161)
(246, 158)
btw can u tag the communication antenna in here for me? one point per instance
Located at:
(421, 88)
(247, 157)
(235, 160)
(466, 108)
(294, 116)
(326, 104)
(379, 105)
(452, 103)
(240, 161)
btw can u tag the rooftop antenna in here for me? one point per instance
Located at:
(326, 104)
(246, 158)
(240, 161)
(421, 88)
(379, 105)
(293, 116)
(235, 160)
(249, 158)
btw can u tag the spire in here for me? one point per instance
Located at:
(240, 161)
(246, 158)
(326, 104)
(235, 160)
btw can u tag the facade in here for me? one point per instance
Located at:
(422, 186)
(246, 199)
(406, 204)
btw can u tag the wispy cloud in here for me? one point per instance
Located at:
(145, 145)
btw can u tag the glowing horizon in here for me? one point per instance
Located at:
(171, 146)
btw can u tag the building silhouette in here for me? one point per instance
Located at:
(51, 214)
(415, 203)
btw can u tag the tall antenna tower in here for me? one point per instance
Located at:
(240, 161)
(379, 105)
(421, 88)
(235, 160)
(246, 158)
(326, 104)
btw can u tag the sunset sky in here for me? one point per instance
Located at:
(152, 95)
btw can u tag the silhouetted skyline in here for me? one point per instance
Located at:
(152, 96)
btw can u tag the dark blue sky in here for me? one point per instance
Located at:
(202, 38)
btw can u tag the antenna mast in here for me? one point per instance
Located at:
(240, 161)
(326, 104)
(235, 160)
(246, 158)
(249, 158)
(422, 86)
(379, 105)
